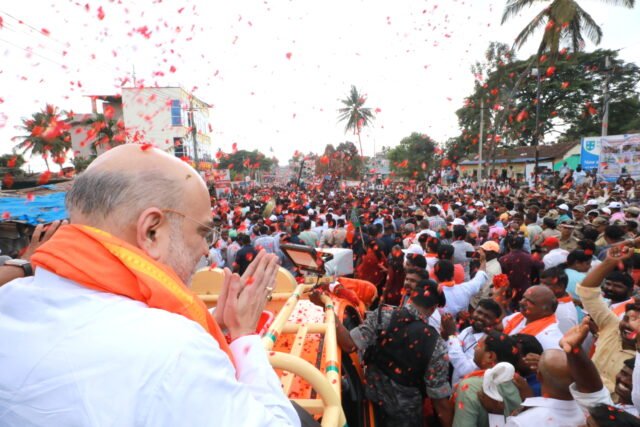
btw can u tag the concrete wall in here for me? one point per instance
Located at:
(148, 111)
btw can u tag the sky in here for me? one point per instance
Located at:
(273, 71)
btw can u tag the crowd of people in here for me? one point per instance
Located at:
(475, 276)
(496, 304)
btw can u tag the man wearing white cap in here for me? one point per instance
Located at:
(563, 210)
(491, 251)
(413, 249)
(458, 221)
(616, 212)
(591, 204)
(632, 213)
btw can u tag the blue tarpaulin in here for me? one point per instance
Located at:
(34, 210)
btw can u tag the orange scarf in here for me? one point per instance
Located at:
(478, 373)
(97, 260)
(448, 284)
(533, 328)
(621, 308)
(565, 299)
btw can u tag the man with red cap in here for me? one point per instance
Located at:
(555, 255)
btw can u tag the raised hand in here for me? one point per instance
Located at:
(575, 336)
(243, 298)
(448, 325)
(617, 254)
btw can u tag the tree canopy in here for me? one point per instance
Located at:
(355, 115)
(564, 21)
(243, 162)
(341, 162)
(571, 99)
(416, 155)
(47, 135)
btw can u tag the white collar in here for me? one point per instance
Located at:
(547, 402)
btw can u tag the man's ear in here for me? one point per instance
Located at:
(149, 230)
(492, 357)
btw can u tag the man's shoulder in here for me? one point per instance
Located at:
(469, 387)
(86, 326)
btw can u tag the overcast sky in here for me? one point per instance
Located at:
(274, 71)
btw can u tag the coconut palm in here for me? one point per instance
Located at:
(563, 21)
(355, 114)
(104, 132)
(47, 135)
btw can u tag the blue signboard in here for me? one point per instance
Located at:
(590, 153)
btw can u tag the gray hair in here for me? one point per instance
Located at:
(98, 195)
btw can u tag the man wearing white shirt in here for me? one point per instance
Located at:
(555, 255)
(557, 408)
(112, 335)
(462, 346)
(556, 279)
(491, 251)
(536, 317)
(458, 295)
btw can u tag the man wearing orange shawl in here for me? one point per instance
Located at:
(107, 333)
(536, 317)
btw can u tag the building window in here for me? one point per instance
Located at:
(178, 147)
(176, 113)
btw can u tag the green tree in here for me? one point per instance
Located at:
(416, 155)
(355, 114)
(47, 135)
(11, 164)
(342, 162)
(104, 131)
(494, 80)
(563, 21)
(571, 97)
(12, 161)
(245, 163)
(81, 163)
(325, 164)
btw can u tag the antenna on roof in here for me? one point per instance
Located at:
(135, 84)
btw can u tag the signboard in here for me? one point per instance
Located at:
(221, 181)
(619, 155)
(590, 153)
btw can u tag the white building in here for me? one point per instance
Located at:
(160, 116)
(163, 117)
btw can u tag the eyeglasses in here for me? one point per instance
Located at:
(212, 233)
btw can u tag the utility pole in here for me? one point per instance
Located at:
(605, 112)
(300, 173)
(194, 135)
(135, 83)
(480, 140)
(536, 133)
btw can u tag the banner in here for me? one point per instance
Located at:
(590, 153)
(619, 155)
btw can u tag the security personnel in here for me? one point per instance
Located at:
(405, 358)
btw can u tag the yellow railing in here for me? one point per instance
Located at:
(326, 385)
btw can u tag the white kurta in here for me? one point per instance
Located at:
(461, 351)
(548, 412)
(459, 296)
(567, 316)
(72, 356)
(549, 338)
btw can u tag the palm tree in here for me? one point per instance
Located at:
(563, 21)
(104, 132)
(47, 135)
(355, 114)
